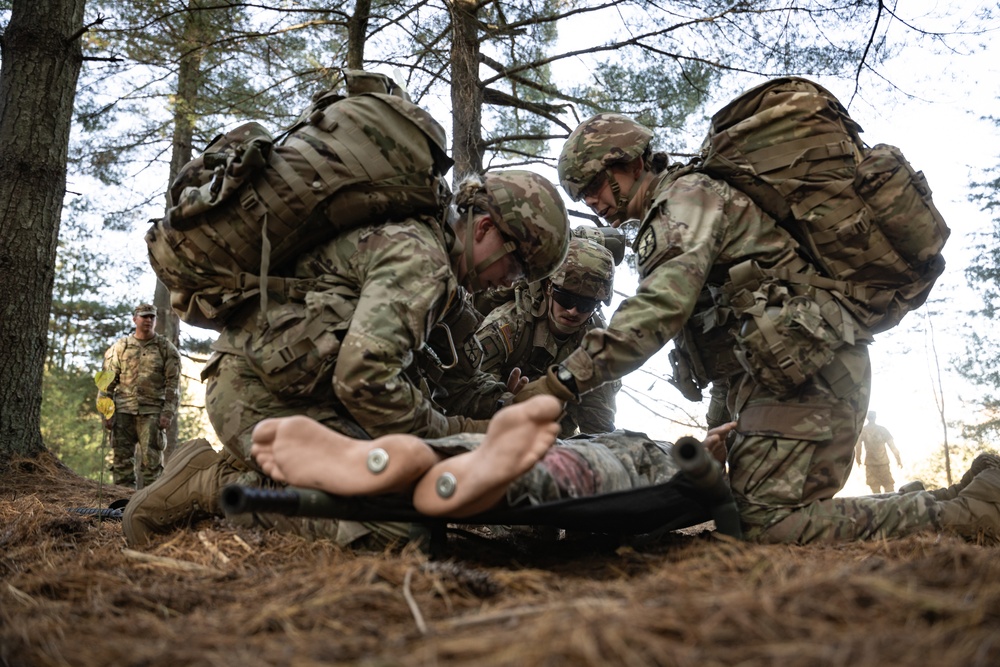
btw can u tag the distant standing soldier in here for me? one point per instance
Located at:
(533, 333)
(146, 369)
(874, 439)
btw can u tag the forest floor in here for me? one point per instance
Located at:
(72, 593)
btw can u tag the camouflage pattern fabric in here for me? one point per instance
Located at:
(791, 454)
(378, 291)
(588, 270)
(509, 330)
(136, 439)
(146, 383)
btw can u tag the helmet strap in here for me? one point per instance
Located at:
(621, 202)
(472, 275)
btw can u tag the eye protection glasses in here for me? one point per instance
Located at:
(569, 301)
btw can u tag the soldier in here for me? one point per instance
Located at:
(340, 354)
(146, 371)
(532, 334)
(799, 391)
(874, 439)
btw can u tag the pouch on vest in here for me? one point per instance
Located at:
(297, 346)
(784, 341)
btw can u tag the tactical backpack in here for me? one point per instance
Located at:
(863, 215)
(250, 204)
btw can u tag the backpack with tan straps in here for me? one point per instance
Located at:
(250, 204)
(863, 215)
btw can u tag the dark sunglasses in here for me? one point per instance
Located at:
(146, 316)
(569, 301)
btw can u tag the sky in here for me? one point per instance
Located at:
(930, 103)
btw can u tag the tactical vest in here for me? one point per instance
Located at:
(250, 204)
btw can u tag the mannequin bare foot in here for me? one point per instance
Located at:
(518, 436)
(302, 452)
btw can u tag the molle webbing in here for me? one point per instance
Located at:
(863, 215)
(353, 160)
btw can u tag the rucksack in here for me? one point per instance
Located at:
(863, 215)
(250, 204)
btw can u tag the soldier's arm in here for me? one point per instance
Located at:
(678, 243)
(406, 286)
(892, 446)
(112, 364)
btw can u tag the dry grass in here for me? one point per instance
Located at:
(71, 593)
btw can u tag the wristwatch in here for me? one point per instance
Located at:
(567, 379)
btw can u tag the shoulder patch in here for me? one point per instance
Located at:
(645, 246)
(508, 337)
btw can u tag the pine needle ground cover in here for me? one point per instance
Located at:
(72, 593)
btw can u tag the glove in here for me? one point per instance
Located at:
(549, 384)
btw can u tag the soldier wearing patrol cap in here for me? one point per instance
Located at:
(145, 371)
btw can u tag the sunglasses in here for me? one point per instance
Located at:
(569, 301)
(145, 317)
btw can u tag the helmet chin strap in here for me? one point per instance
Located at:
(472, 274)
(621, 202)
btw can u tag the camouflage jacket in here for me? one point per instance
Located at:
(146, 375)
(694, 228)
(503, 337)
(380, 289)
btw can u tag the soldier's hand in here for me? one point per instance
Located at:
(164, 422)
(108, 423)
(548, 384)
(516, 381)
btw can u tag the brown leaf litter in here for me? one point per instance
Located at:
(72, 593)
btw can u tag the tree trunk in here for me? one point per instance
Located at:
(466, 90)
(357, 34)
(41, 63)
(189, 78)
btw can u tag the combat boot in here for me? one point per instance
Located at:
(979, 464)
(975, 512)
(187, 490)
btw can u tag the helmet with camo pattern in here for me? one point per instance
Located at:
(596, 144)
(589, 271)
(533, 217)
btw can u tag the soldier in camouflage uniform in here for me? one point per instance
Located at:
(518, 461)
(874, 439)
(145, 369)
(340, 354)
(802, 377)
(532, 334)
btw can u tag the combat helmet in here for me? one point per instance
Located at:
(532, 217)
(589, 271)
(596, 144)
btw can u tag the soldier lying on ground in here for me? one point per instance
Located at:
(518, 457)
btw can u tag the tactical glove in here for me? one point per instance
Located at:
(549, 384)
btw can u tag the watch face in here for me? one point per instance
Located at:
(564, 375)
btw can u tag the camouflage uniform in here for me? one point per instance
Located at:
(343, 350)
(518, 335)
(145, 386)
(874, 439)
(793, 449)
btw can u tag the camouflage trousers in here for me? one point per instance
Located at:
(236, 401)
(136, 443)
(879, 478)
(790, 456)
